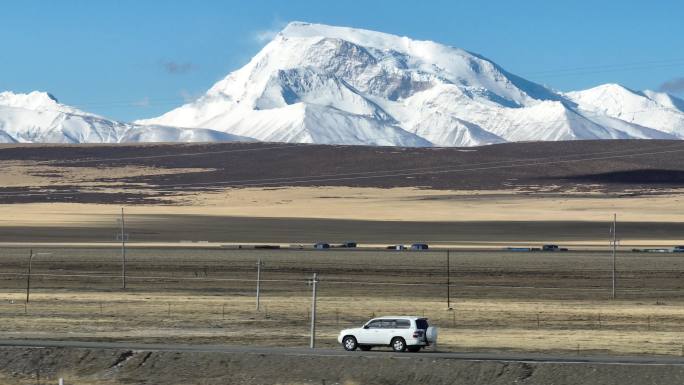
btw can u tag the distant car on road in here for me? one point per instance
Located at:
(519, 249)
(553, 248)
(348, 245)
(401, 333)
(322, 245)
(678, 249)
(419, 246)
(396, 247)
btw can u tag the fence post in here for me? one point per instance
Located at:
(28, 276)
(448, 285)
(258, 284)
(123, 250)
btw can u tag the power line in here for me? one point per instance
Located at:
(287, 146)
(572, 71)
(306, 281)
(556, 72)
(584, 116)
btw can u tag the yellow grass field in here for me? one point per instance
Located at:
(568, 327)
(369, 204)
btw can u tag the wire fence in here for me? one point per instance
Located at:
(639, 276)
(201, 295)
(494, 290)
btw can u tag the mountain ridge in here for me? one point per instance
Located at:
(445, 95)
(315, 83)
(38, 117)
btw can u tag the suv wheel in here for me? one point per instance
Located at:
(349, 343)
(398, 344)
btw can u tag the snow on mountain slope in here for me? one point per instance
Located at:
(335, 85)
(323, 84)
(6, 138)
(138, 133)
(665, 99)
(649, 109)
(632, 130)
(38, 101)
(361, 73)
(38, 117)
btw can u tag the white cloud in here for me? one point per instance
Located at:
(189, 97)
(265, 35)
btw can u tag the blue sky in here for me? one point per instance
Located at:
(133, 59)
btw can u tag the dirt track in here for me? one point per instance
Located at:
(175, 228)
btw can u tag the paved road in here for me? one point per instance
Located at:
(464, 356)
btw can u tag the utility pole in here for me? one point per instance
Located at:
(123, 250)
(614, 243)
(258, 283)
(312, 343)
(448, 270)
(28, 276)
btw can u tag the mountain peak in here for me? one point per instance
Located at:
(305, 29)
(34, 100)
(613, 88)
(317, 83)
(359, 36)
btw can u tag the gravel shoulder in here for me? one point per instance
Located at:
(122, 366)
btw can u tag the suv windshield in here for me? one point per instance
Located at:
(422, 324)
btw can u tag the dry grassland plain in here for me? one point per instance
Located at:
(201, 292)
(501, 301)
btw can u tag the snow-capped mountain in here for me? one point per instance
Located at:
(323, 84)
(655, 110)
(334, 85)
(38, 117)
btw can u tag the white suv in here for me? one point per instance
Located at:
(401, 333)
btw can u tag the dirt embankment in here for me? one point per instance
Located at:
(117, 367)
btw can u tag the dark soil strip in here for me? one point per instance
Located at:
(175, 228)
